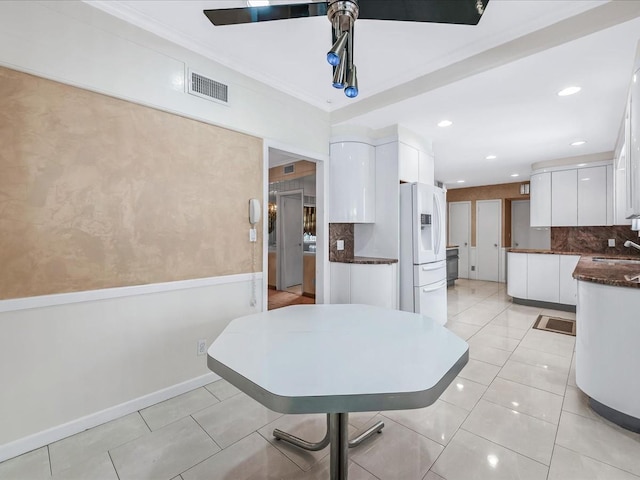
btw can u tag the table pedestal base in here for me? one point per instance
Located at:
(338, 436)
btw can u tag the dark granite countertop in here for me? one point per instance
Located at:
(614, 274)
(367, 260)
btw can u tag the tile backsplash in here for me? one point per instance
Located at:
(593, 239)
(340, 231)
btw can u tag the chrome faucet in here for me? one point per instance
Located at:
(629, 243)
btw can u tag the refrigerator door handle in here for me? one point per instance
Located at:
(436, 233)
(434, 287)
(433, 266)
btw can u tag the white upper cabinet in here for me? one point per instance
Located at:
(564, 198)
(540, 201)
(352, 177)
(415, 165)
(569, 197)
(592, 196)
(408, 163)
(426, 169)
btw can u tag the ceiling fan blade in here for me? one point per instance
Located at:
(233, 16)
(462, 12)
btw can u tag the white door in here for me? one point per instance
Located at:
(460, 234)
(290, 238)
(488, 230)
(522, 234)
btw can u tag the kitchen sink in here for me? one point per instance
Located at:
(621, 261)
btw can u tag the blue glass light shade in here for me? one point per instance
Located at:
(333, 59)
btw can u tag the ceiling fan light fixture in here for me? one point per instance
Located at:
(335, 55)
(338, 76)
(351, 90)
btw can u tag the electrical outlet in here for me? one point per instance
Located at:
(612, 242)
(340, 245)
(253, 237)
(473, 268)
(201, 347)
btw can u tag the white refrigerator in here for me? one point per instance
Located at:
(423, 252)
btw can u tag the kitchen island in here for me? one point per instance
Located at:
(608, 337)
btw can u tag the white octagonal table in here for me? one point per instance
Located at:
(337, 359)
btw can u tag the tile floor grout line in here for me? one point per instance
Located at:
(113, 463)
(270, 445)
(522, 413)
(507, 448)
(208, 435)
(145, 420)
(49, 457)
(525, 385)
(555, 438)
(593, 458)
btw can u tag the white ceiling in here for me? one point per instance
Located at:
(497, 81)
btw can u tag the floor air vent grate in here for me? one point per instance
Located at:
(204, 87)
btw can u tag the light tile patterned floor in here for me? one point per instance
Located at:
(514, 413)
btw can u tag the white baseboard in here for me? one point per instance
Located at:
(54, 434)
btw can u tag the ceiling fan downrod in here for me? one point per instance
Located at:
(342, 14)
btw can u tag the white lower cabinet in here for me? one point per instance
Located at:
(544, 277)
(568, 284)
(340, 282)
(517, 275)
(369, 284)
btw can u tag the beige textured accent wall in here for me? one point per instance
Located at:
(97, 192)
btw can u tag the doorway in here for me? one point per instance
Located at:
(289, 240)
(522, 234)
(488, 243)
(291, 262)
(460, 234)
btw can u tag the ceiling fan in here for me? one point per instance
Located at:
(343, 13)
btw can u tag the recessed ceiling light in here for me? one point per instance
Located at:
(445, 123)
(491, 157)
(258, 3)
(578, 143)
(460, 181)
(569, 91)
(515, 174)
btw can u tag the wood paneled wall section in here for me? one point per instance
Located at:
(302, 169)
(97, 192)
(504, 191)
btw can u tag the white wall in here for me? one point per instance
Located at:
(75, 43)
(64, 368)
(80, 354)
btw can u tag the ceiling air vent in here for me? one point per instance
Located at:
(205, 87)
(289, 168)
